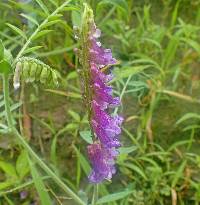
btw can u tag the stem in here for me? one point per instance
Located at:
(38, 29)
(6, 100)
(29, 149)
(122, 93)
(95, 195)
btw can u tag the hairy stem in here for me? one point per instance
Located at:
(95, 195)
(29, 149)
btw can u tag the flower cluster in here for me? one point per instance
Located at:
(106, 127)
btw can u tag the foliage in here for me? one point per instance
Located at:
(157, 78)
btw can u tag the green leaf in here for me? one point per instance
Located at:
(194, 44)
(76, 18)
(122, 4)
(136, 169)
(54, 17)
(170, 51)
(22, 166)
(13, 107)
(127, 150)
(5, 67)
(87, 136)
(31, 19)
(39, 185)
(50, 23)
(74, 115)
(41, 33)
(187, 117)
(30, 50)
(114, 197)
(8, 169)
(6, 184)
(1, 50)
(43, 7)
(177, 144)
(8, 56)
(54, 2)
(125, 72)
(17, 30)
(179, 173)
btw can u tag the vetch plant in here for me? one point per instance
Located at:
(95, 61)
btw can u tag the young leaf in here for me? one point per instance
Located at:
(22, 166)
(8, 169)
(31, 19)
(42, 33)
(30, 50)
(43, 7)
(127, 150)
(122, 4)
(188, 116)
(114, 197)
(76, 18)
(51, 23)
(86, 135)
(179, 173)
(136, 169)
(8, 56)
(74, 115)
(127, 71)
(17, 30)
(55, 3)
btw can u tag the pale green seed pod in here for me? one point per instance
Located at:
(54, 77)
(25, 73)
(38, 72)
(16, 79)
(33, 70)
(44, 74)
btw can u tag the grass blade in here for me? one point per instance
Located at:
(39, 185)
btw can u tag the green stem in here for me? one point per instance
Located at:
(29, 149)
(122, 93)
(95, 195)
(6, 100)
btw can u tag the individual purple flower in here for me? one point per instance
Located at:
(103, 160)
(23, 195)
(102, 92)
(99, 99)
(98, 55)
(106, 127)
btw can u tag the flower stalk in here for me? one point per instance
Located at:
(99, 99)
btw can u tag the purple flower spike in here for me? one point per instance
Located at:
(102, 160)
(103, 92)
(99, 99)
(105, 120)
(106, 136)
(98, 55)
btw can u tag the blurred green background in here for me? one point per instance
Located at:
(157, 43)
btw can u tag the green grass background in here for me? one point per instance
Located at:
(157, 43)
